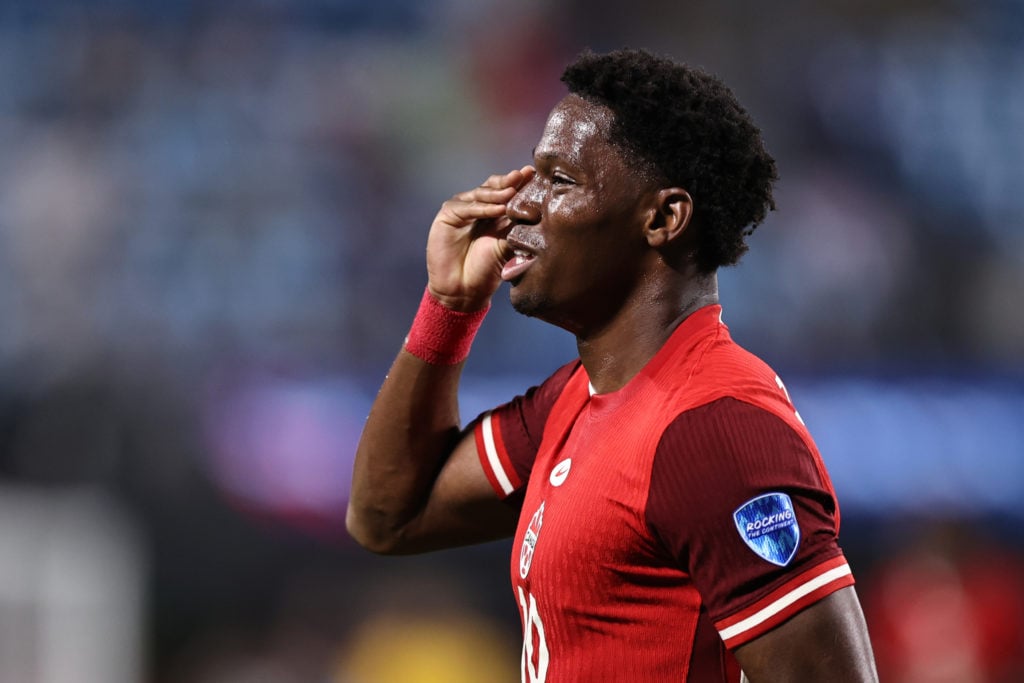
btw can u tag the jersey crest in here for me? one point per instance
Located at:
(768, 525)
(530, 541)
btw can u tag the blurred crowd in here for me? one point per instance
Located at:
(212, 227)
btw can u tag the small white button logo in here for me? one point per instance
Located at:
(560, 472)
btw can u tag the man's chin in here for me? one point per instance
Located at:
(526, 303)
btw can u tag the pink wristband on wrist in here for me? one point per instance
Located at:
(441, 336)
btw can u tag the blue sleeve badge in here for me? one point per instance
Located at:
(767, 524)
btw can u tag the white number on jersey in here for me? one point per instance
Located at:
(778, 380)
(533, 627)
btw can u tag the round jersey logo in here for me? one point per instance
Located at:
(530, 541)
(560, 472)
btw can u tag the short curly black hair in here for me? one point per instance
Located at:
(690, 127)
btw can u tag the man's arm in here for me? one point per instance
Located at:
(417, 482)
(828, 641)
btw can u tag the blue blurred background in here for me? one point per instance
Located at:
(212, 227)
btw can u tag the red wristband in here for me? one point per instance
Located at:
(441, 336)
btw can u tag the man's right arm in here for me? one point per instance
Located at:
(417, 482)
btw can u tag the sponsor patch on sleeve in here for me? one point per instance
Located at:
(767, 524)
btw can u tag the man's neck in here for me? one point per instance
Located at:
(615, 354)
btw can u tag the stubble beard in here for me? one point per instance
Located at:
(539, 306)
(531, 305)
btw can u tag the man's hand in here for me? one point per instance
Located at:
(417, 482)
(466, 248)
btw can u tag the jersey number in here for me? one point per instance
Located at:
(778, 380)
(535, 646)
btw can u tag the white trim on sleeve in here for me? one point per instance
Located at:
(785, 601)
(492, 457)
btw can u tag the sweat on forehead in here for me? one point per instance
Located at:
(575, 124)
(571, 123)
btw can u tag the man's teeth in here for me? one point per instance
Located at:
(519, 253)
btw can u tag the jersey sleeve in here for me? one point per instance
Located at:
(739, 500)
(508, 437)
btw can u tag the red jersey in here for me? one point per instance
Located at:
(665, 523)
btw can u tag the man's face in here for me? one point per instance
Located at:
(578, 223)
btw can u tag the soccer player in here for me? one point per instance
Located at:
(672, 517)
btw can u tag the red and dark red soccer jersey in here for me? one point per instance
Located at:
(664, 524)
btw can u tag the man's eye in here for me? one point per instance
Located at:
(559, 179)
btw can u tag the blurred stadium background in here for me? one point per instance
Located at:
(212, 225)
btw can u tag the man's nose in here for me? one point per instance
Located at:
(524, 207)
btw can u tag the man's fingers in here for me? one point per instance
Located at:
(510, 179)
(495, 227)
(489, 201)
(523, 175)
(464, 212)
(487, 194)
(514, 179)
(497, 181)
(499, 188)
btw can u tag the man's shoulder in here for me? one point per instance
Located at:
(729, 363)
(722, 369)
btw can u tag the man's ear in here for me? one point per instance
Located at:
(670, 216)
